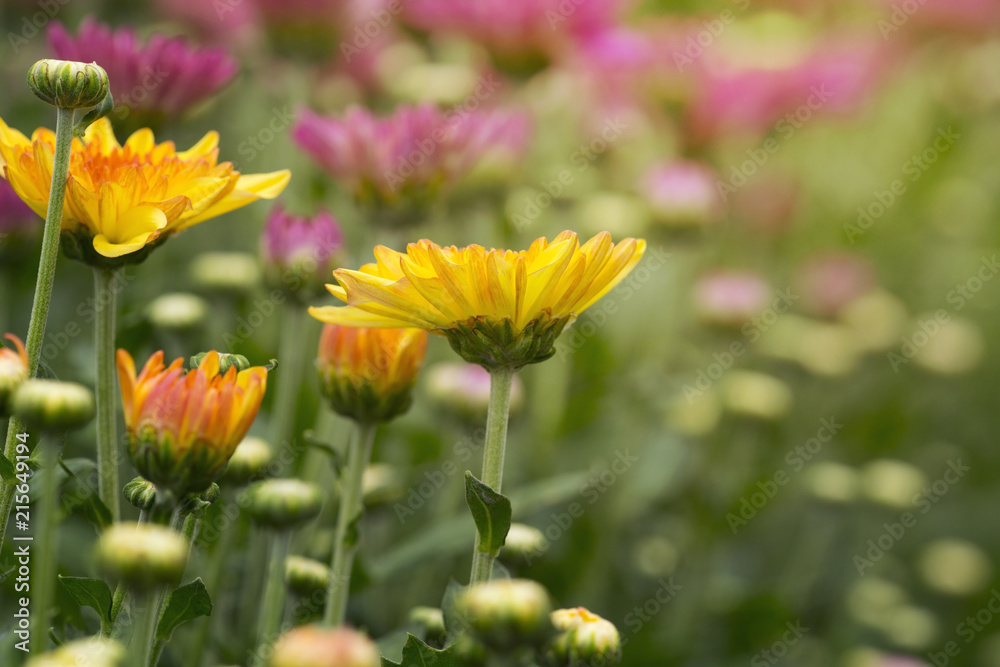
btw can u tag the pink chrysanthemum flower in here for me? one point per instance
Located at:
(402, 161)
(299, 252)
(682, 193)
(164, 76)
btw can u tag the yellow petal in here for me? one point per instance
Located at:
(349, 316)
(203, 148)
(133, 230)
(248, 189)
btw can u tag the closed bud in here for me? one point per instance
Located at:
(584, 640)
(226, 272)
(524, 543)
(311, 646)
(432, 620)
(250, 460)
(197, 504)
(53, 406)
(141, 493)
(13, 371)
(89, 652)
(177, 312)
(68, 84)
(226, 361)
(145, 556)
(306, 576)
(283, 503)
(506, 613)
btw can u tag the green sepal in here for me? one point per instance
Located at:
(491, 511)
(495, 345)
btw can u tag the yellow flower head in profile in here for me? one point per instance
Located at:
(121, 201)
(498, 308)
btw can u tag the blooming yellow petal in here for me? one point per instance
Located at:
(133, 230)
(248, 189)
(349, 316)
(206, 146)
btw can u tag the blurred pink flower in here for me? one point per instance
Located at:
(768, 202)
(830, 281)
(976, 16)
(165, 75)
(410, 154)
(219, 22)
(682, 192)
(730, 298)
(14, 213)
(298, 251)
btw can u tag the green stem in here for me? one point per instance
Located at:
(493, 454)
(43, 588)
(189, 532)
(107, 461)
(144, 630)
(213, 580)
(359, 453)
(291, 356)
(43, 287)
(273, 608)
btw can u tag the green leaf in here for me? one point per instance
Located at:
(186, 603)
(93, 593)
(7, 471)
(491, 512)
(452, 622)
(418, 654)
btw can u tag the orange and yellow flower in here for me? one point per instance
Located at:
(123, 200)
(498, 308)
(13, 370)
(368, 374)
(184, 426)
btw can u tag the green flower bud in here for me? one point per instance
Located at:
(226, 361)
(89, 652)
(311, 646)
(523, 544)
(68, 84)
(305, 576)
(145, 556)
(584, 640)
(283, 503)
(177, 311)
(227, 272)
(250, 460)
(53, 406)
(432, 620)
(197, 504)
(506, 613)
(141, 493)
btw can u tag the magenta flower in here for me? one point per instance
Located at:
(682, 193)
(300, 252)
(165, 76)
(14, 213)
(828, 282)
(522, 35)
(402, 161)
(730, 298)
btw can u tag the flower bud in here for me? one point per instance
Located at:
(368, 374)
(250, 460)
(283, 503)
(177, 312)
(306, 576)
(197, 504)
(312, 646)
(226, 361)
(144, 556)
(89, 652)
(141, 493)
(68, 84)
(465, 389)
(13, 371)
(229, 272)
(53, 406)
(506, 613)
(584, 640)
(523, 544)
(432, 620)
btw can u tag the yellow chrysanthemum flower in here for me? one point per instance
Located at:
(121, 201)
(498, 308)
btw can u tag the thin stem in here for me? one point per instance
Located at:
(107, 461)
(358, 455)
(493, 455)
(43, 287)
(213, 580)
(291, 357)
(273, 608)
(189, 532)
(144, 630)
(43, 587)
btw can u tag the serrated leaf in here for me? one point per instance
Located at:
(93, 593)
(418, 654)
(186, 603)
(491, 512)
(7, 472)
